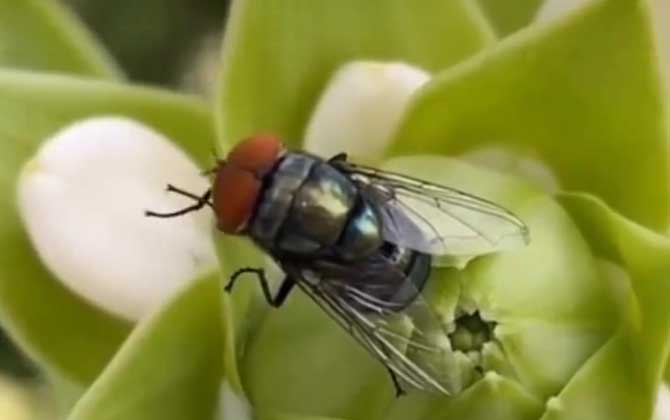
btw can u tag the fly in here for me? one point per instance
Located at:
(359, 241)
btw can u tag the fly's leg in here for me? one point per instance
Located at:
(200, 202)
(340, 157)
(399, 392)
(274, 301)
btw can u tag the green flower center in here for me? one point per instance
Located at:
(471, 333)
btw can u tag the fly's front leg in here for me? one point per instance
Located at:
(200, 202)
(274, 301)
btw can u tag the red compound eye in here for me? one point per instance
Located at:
(238, 180)
(235, 194)
(256, 154)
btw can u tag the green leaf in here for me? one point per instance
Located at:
(621, 380)
(169, 368)
(581, 97)
(278, 55)
(44, 35)
(506, 16)
(65, 334)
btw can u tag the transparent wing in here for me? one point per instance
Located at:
(412, 344)
(435, 219)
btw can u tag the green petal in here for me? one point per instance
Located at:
(494, 397)
(621, 380)
(548, 298)
(65, 334)
(283, 416)
(583, 98)
(169, 368)
(506, 16)
(44, 35)
(278, 55)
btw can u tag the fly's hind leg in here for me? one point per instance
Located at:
(274, 301)
(340, 157)
(399, 392)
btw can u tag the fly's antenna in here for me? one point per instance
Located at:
(200, 202)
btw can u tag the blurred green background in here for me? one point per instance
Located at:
(154, 40)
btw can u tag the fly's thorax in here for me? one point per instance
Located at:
(280, 187)
(319, 212)
(307, 206)
(238, 182)
(304, 206)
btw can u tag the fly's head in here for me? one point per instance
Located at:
(238, 180)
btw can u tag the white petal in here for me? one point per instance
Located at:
(554, 9)
(15, 401)
(662, 410)
(232, 405)
(82, 199)
(361, 107)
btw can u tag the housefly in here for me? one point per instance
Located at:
(359, 241)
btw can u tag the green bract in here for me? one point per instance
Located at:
(581, 97)
(574, 110)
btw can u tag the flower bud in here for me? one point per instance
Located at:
(662, 409)
(361, 107)
(82, 199)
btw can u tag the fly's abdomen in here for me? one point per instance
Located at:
(416, 269)
(388, 280)
(362, 234)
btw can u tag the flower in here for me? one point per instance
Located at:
(564, 121)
